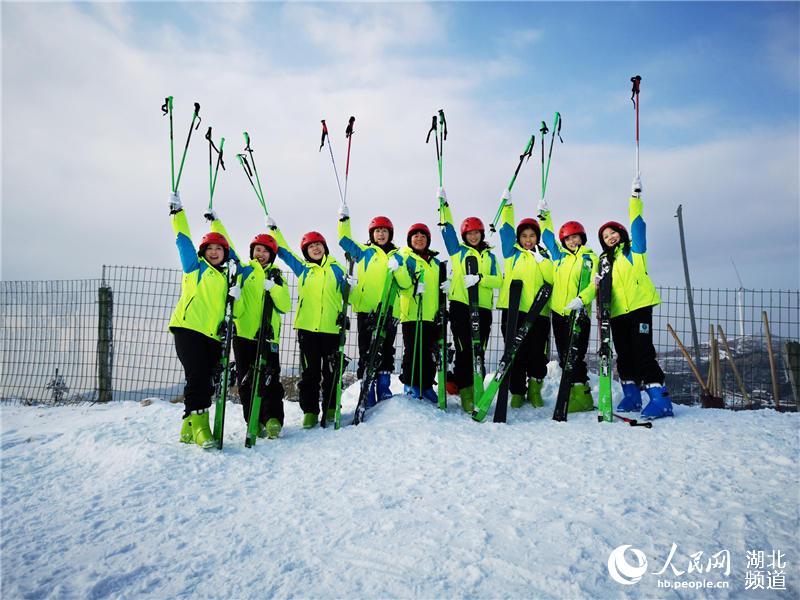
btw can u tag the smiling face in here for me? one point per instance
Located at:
(473, 238)
(528, 238)
(214, 254)
(316, 250)
(262, 254)
(611, 237)
(419, 241)
(572, 242)
(380, 235)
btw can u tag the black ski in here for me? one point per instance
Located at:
(604, 400)
(260, 373)
(478, 370)
(514, 295)
(224, 361)
(343, 323)
(441, 367)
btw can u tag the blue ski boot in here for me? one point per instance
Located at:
(384, 380)
(430, 395)
(372, 399)
(412, 390)
(660, 405)
(632, 401)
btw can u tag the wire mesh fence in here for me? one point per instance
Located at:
(102, 339)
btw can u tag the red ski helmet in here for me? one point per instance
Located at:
(421, 227)
(213, 237)
(616, 226)
(472, 224)
(381, 222)
(572, 228)
(266, 240)
(309, 238)
(529, 223)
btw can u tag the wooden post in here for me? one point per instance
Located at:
(729, 354)
(105, 341)
(772, 370)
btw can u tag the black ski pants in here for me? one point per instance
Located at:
(200, 356)
(531, 359)
(461, 326)
(319, 362)
(633, 342)
(245, 351)
(367, 322)
(561, 331)
(419, 368)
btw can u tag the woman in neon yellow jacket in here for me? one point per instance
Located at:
(374, 261)
(257, 278)
(488, 279)
(568, 257)
(520, 245)
(418, 280)
(320, 282)
(197, 319)
(633, 297)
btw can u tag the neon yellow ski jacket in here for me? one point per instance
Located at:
(371, 270)
(567, 269)
(204, 289)
(248, 309)
(521, 264)
(488, 267)
(319, 289)
(416, 269)
(631, 287)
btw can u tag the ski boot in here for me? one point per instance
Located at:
(186, 431)
(384, 381)
(467, 395)
(310, 420)
(430, 395)
(580, 398)
(273, 428)
(372, 399)
(660, 405)
(632, 400)
(201, 432)
(535, 392)
(517, 400)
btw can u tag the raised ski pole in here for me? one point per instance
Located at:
(192, 127)
(526, 154)
(636, 81)
(556, 132)
(349, 135)
(166, 109)
(543, 130)
(325, 136)
(213, 172)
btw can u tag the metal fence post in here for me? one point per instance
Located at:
(105, 341)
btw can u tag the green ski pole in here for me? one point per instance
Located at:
(192, 127)
(556, 132)
(526, 154)
(212, 172)
(166, 109)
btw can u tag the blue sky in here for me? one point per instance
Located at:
(82, 84)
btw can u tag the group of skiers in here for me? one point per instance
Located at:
(531, 253)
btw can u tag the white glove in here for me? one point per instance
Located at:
(393, 264)
(470, 280)
(420, 288)
(575, 304)
(235, 291)
(506, 196)
(445, 287)
(271, 223)
(268, 284)
(543, 206)
(210, 215)
(636, 186)
(344, 212)
(175, 202)
(352, 280)
(440, 193)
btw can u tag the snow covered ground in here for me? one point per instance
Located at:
(103, 502)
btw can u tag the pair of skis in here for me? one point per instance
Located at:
(224, 362)
(385, 320)
(262, 375)
(515, 336)
(343, 323)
